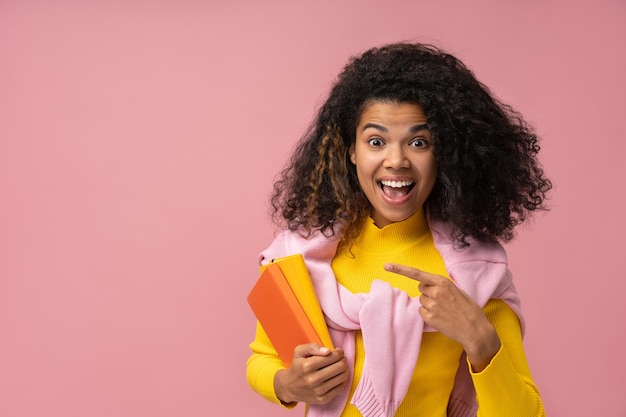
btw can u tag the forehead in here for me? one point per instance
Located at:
(391, 113)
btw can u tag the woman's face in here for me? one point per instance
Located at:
(394, 159)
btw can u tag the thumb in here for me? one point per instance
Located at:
(310, 349)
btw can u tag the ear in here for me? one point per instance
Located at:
(352, 153)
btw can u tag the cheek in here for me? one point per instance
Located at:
(429, 171)
(361, 176)
(364, 175)
(433, 169)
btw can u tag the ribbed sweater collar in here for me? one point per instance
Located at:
(393, 237)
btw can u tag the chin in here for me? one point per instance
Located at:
(383, 220)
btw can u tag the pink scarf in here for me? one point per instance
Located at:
(389, 320)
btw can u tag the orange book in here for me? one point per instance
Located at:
(278, 310)
(297, 275)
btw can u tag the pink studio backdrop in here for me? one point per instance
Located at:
(138, 143)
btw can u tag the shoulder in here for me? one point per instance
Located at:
(476, 251)
(480, 269)
(315, 246)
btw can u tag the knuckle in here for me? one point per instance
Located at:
(310, 380)
(320, 396)
(307, 367)
(322, 399)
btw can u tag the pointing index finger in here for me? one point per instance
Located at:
(413, 273)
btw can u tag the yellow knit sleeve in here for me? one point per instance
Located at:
(505, 387)
(262, 366)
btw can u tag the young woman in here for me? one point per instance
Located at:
(398, 197)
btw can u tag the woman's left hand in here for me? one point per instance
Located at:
(447, 308)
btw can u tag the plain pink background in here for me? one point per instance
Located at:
(138, 144)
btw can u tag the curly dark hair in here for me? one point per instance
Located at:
(488, 179)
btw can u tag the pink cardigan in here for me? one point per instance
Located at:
(386, 313)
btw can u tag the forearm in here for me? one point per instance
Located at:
(505, 386)
(502, 391)
(262, 367)
(483, 346)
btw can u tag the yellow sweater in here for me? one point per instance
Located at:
(504, 388)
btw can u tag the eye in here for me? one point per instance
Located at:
(419, 143)
(375, 142)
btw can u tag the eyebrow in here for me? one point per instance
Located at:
(413, 129)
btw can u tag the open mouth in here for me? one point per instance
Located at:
(396, 189)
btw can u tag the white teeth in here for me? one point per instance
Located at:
(396, 184)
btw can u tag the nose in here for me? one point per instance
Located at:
(396, 158)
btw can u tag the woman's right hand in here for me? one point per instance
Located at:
(316, 375)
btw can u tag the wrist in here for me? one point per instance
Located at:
(481, 349)
(281, 387)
